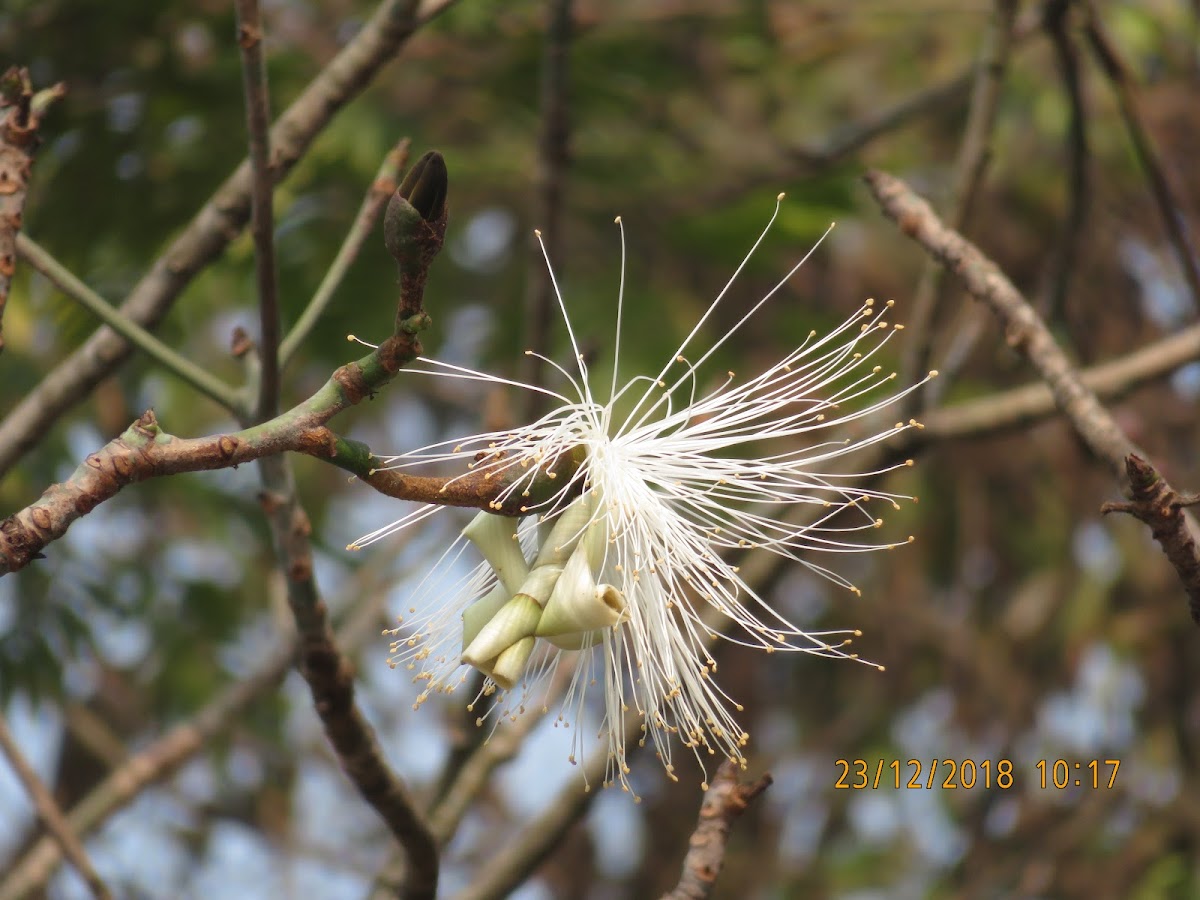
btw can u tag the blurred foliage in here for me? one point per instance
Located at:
(1019, 625)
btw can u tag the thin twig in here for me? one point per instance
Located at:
(20, 116)
(508, 868)
(554, 156)
(1161, 507)
(1026, 332)
(216, 224)
(160, 759)
(1030, 337)
(724, 801)
(376, 199)
(262, 216)
(1123, 86)
(1053, 295)
(1023, 406)
(820, 155)
(809, 159)
(51, 816)
(170, 360)
(973, 157)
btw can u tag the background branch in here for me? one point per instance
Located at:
(1028, 335)
(1061, 269)
(167, 358)
(973, 156)
(20, 117)
(330, 679)
(1117, 73)
(262, 217)
(724, 801)
(216, 224)
(164, 756)
(1022, 406)
(554, 157)
(376, 199)
(51, 816)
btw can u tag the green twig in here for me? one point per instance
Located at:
(364, 223)
(65, 281)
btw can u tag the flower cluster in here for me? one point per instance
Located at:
(630, 570)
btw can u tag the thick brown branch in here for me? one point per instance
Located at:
(1162, 508)
(20, 115)
(724, 801)
(330, 679)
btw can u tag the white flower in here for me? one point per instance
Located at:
(661, 484)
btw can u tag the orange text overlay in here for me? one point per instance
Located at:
(967, 774)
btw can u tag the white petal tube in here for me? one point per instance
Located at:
(516, 620)
(482, 611)
(509, 666)
(579, 640)
(557, 546)
(578, 603)
(496, 538)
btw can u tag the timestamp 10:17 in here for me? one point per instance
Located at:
(1060, 774)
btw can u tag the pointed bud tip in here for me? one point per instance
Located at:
(426, 185)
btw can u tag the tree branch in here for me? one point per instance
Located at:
(1026, 333)
(554, 156)
(378, 193)
(330, 679)
(262, 216)
(170, 360)
(1161, 507)
(51, 816)
(164, 756)
(1022, 406)
(724, 801)
(145, 451)
(216, 224)
(974, 155)
(1053, 294)
(1029, 336)
(20, 115)
(1118, 76)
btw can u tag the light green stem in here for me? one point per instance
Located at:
(364, 223)
(169, 359)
